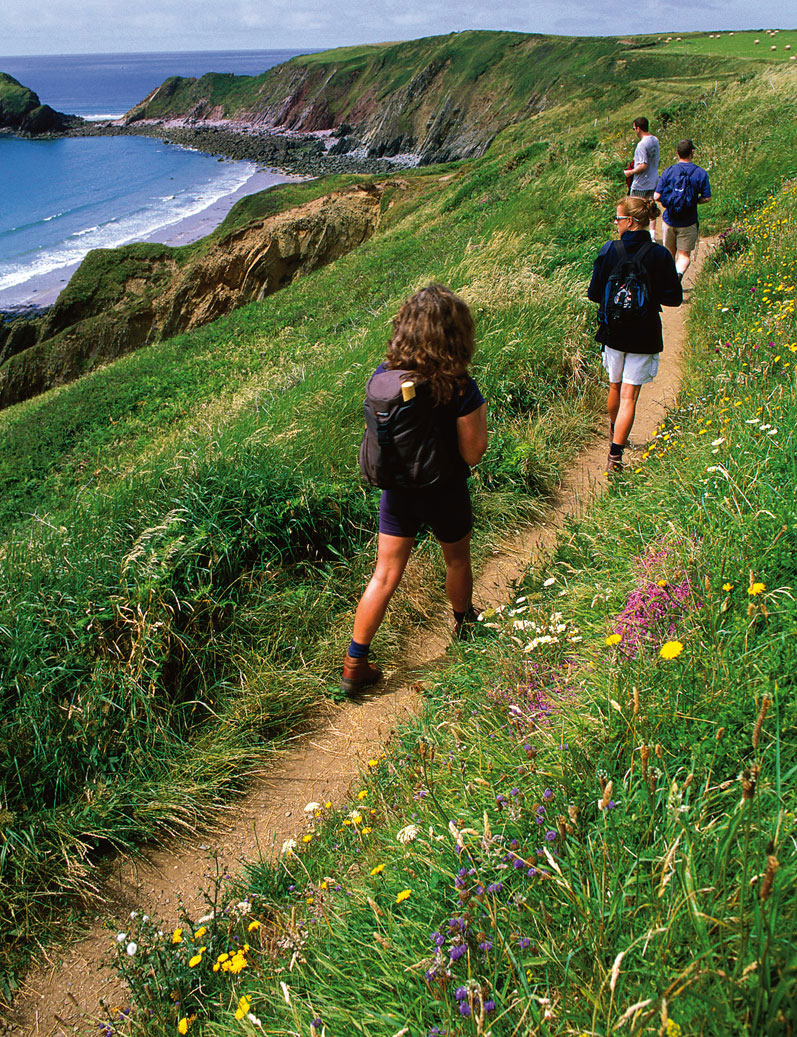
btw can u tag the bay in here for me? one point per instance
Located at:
(64, 197)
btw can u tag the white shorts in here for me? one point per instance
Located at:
(631, 368)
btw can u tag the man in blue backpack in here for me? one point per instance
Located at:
(680, 189)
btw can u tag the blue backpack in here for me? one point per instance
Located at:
(626, 298)
(679, 194)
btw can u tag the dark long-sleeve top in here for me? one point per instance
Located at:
(665, 290)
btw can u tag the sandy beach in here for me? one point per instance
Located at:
(44, 289)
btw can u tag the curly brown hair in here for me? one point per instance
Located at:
(433, 335)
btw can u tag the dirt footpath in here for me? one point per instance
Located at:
(62, 997)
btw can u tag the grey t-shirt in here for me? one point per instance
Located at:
(647, 150)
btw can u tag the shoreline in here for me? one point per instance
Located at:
(41, 291)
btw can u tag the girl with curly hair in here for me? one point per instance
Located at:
(433, 335)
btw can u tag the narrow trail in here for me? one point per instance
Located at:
(63, 995)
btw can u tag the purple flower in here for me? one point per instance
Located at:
(518, 864)
(550, 835)
(464, 1009)
(547, 794)
(531, 872)
(457, 952)
(438, 940)
(461, 993)
(317, 1023)
(486, 946)
(524, 943)
(489, 1006)
(495, 887)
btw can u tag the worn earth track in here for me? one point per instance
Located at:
(63, 995)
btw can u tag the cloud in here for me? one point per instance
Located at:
(74, 26)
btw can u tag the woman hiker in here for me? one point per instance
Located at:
(432, 341)
(631, 350)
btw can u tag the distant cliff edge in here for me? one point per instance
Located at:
(22, 112)
(432, 100)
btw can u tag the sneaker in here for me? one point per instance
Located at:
(358, 674)
(465, 628)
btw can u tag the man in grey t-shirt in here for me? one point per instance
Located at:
(644, 174)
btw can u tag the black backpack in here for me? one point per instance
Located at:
(403, 446)
(626, 298)
(679, 195)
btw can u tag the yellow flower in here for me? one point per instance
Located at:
(756, 588)
(197, 958)
(182, 1026)
(244, 1004)
(362, 794)
(177, 936)
(727, 586)
(403, 895)
(613, 639)
(200, 932)
(373, 763)
(253, 925)
(662, 583)
(367, 830)
(356, 819)
(307, 838)
(671, 649)
(378, 869)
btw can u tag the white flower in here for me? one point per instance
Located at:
(131, 949)
(716, 442)
(406, 835)
(549, 582)
(289, 846)
(752, 421)
(772, 432)
(312, 807)
(121, 937)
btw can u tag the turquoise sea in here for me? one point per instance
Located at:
(62, 198)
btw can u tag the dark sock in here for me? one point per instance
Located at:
(612, 425)
(358, 651)
(459, 616)
(615, 450)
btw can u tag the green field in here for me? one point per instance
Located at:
(763, 44)
(184, 539)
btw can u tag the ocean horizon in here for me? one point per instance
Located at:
(67, 196)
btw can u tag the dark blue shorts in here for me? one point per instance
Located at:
(445, 509)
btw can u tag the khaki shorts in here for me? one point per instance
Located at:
(631, 368)
(684, 239)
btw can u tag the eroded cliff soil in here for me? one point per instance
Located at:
(122, 299)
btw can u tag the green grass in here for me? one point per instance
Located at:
(591, 826)
(737, 44)
(179, 527)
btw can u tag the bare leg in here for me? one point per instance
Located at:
(626, 413)
(459, 575)
(682, 261)
(614, 401)
(391, 560)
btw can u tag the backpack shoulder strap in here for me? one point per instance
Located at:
(643, 251)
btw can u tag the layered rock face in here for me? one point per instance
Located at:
(21, 111)
(124, 298)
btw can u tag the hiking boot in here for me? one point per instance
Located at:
(614, 464)
(465, 628)
(358, 674)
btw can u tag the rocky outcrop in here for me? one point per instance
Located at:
(122, 299)
(22, 113)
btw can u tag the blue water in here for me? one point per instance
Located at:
(62, 198)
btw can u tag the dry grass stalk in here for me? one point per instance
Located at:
(766, 702)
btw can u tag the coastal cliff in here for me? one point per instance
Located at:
(22, 112)
(433, 100)
(121, 299)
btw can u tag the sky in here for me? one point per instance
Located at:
(107, 26)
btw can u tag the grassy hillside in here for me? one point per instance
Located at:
(184, 536)
(591, 828)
